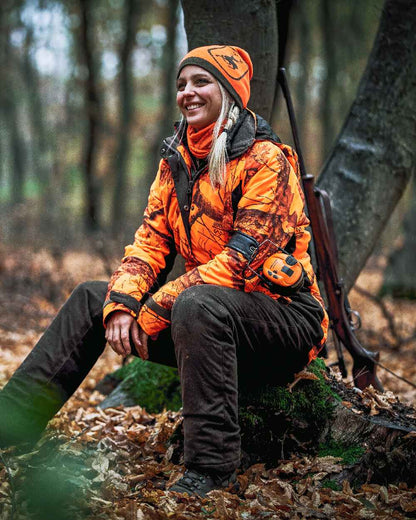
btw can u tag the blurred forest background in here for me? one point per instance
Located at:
(88, 93)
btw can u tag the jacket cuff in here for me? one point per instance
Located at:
(124, 299)
(153, 318)
(114, 307)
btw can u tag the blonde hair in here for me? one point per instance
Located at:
(217, 157)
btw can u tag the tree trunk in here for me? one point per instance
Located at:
(126, 100)
(9, 107)
(283, 12)
(17, 152)
(92, 189)
(168, 108)
(371, 164)
(315, 413)
(399, 277)
(329, 82)
(41, 164)
(302, 84)
(251, 25)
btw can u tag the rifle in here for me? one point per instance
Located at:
(341, 317)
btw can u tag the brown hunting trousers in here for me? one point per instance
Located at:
(219, 338)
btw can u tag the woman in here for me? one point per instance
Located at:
(226, 197)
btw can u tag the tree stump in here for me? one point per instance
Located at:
(373, 433)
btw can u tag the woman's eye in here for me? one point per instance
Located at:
(180, 87)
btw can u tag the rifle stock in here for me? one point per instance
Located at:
(326, 254)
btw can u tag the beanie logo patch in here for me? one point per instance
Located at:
(230, 63)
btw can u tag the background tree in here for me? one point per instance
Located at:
(399, 276)
(40, 148)
(10, 107)
(168, 108)
(329, 28)
(92, 110)
(251, 25)
(375, 149)
(132, 12)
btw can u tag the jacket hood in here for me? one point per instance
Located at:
(249, 127)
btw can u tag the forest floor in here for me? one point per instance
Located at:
(114, 464)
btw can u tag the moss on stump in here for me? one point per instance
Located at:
(277, 420)
(152, 386)
(274, 420)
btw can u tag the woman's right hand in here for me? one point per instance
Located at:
(123, 328)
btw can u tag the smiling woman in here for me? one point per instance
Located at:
(226, 198)
(198, 96)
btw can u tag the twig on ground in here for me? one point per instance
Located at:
(398, 339)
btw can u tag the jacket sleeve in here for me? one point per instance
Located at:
(271, 207)
(146, 260)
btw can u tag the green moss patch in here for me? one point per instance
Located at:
(349, 454)
(150, 385)
(276, 419)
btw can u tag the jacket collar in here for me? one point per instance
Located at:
(249, 127)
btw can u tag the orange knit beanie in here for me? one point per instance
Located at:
(230, 65)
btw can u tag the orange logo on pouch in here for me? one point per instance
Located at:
(232, 64)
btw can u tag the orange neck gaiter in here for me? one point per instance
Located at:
(200, 140)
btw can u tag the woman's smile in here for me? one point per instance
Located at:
(198, 96)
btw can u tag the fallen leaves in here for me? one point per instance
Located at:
(302, 375)
(125, 465)
(130, 472)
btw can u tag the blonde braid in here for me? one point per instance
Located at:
(217, 157)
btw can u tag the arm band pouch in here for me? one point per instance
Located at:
(244, 244)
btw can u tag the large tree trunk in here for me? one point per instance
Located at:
(251, 25)
(305, 54)
(375, 154)
(283, 12)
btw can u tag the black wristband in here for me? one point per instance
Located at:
(244, 244)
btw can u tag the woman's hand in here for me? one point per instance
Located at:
(123, 328)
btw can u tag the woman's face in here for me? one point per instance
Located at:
(198, 96)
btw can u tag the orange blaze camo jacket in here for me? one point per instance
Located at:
(261, 199)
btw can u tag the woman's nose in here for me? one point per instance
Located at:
(189, 89)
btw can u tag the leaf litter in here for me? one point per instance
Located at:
(120, 464)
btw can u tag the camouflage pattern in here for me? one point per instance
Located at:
(271, 207)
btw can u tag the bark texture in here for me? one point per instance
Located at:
(251, 25)
(374, 157)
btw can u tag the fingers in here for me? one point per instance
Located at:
(143, 339)
(136, 336)
(118, 332)
(123, 328)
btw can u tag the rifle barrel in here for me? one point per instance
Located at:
(291, 112)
